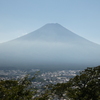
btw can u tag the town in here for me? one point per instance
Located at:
(42, 78)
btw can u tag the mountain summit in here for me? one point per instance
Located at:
(49, 32)
(52, 32)
(51, 46)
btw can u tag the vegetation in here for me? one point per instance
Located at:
(16, 90)
(85, 86)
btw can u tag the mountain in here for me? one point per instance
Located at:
(51, 46)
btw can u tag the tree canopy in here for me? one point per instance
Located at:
(16, 89)
(84, 86)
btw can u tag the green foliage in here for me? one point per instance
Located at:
(16, 90)
(42, 97)
(85, 86)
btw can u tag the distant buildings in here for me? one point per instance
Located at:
(42, 79)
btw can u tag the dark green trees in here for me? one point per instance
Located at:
(85, 86)
(16, 90)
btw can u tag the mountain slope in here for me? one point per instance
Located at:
(50, 46)
(53, 33)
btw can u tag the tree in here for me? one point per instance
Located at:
(85, 86)
(16, 89)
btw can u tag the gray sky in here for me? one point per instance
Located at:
(19, 17)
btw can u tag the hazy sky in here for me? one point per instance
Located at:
(19, 17)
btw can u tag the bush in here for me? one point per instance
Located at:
(16, 89)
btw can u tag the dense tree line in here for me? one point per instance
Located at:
(17, 89)
(84, 86)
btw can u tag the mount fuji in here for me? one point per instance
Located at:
(51, 46)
